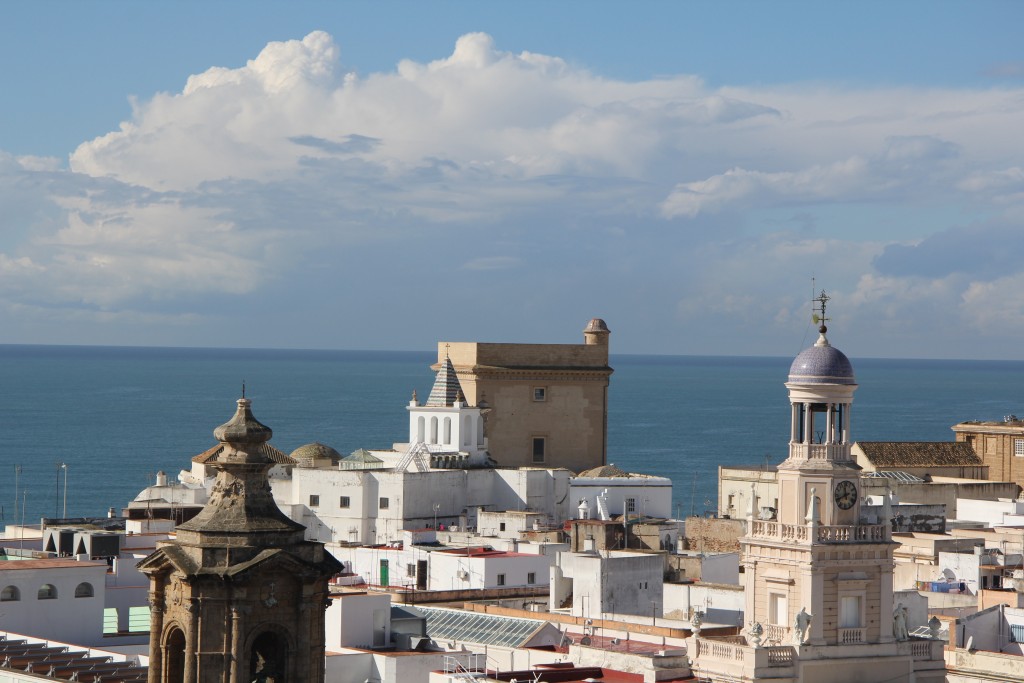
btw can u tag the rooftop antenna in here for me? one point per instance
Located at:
(243, 388)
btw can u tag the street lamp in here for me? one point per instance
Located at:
(64, 466)
(437, 506)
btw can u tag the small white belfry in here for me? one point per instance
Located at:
(450, 430)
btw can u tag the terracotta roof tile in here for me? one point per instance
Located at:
(279, 457)
(920, 453)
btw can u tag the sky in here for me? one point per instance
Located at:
(383, 175)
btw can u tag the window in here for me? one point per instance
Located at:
(778, 611)
(410, 569)
(538, 449)
(83, 590)
(344, 502)
(531, 578)
(1018, 448)
(540, 393)
(631, 505)
(849, 611)
(501, 579)
(47, 592)
(384, 503)
(501, 526)
(314, 501)
(10, 594)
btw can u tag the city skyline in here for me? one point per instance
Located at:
(364, 176)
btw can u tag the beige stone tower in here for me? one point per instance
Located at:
(546, 404)
(818, 582)
(239, 596)
(817, 558)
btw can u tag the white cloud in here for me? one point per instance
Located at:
(255, 179)
(492, 263)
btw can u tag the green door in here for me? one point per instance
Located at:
(384, 573)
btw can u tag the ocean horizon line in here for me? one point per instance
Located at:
(254, 351)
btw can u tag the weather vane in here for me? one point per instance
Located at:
(819, 317)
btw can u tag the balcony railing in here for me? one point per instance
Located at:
(800, 533)
(820, 451)
(776, 635)
(849, 636)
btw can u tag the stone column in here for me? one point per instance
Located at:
(236, 642)
(808, 435)
(190, 642)
(830, 424)
(156, 635)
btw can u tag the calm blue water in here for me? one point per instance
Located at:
(117, 415)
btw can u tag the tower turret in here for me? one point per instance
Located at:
(239, 593)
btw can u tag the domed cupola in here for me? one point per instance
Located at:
(821, 386)
(822, 364)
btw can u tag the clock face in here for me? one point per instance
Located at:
(846, 495)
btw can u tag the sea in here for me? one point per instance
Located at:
(84, 429)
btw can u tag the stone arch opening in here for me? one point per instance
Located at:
(174, 656)
(268, 658)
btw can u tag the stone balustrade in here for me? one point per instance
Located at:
(800, 533)
(851, 636)
(820, 451)
(776, 635)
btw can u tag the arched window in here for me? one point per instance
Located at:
(421, 429)
(268, 660)
(10, 594)
(83, 590)
(174, 657)
(433, 430)
(467, 432)
(47, 592)
(447, 430)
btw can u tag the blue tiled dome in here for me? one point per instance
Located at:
(822, 364)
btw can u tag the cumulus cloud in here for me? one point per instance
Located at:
(289, 174)
(985, 251)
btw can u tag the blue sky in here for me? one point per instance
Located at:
(382, 175)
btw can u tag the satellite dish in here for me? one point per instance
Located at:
(585, 640)
(970, 643)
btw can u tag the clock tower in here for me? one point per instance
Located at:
(816, 575)
(817, 580)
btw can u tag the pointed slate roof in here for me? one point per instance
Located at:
(446, 386)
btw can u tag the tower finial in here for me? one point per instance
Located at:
(819, 317)
(243, 388)
(446, 347)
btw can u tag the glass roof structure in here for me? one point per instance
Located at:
(905, 477)
(474, 627)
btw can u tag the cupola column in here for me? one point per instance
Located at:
(830, 424)
(808, 435)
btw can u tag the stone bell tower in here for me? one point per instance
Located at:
(818, 575)
(239, 595)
